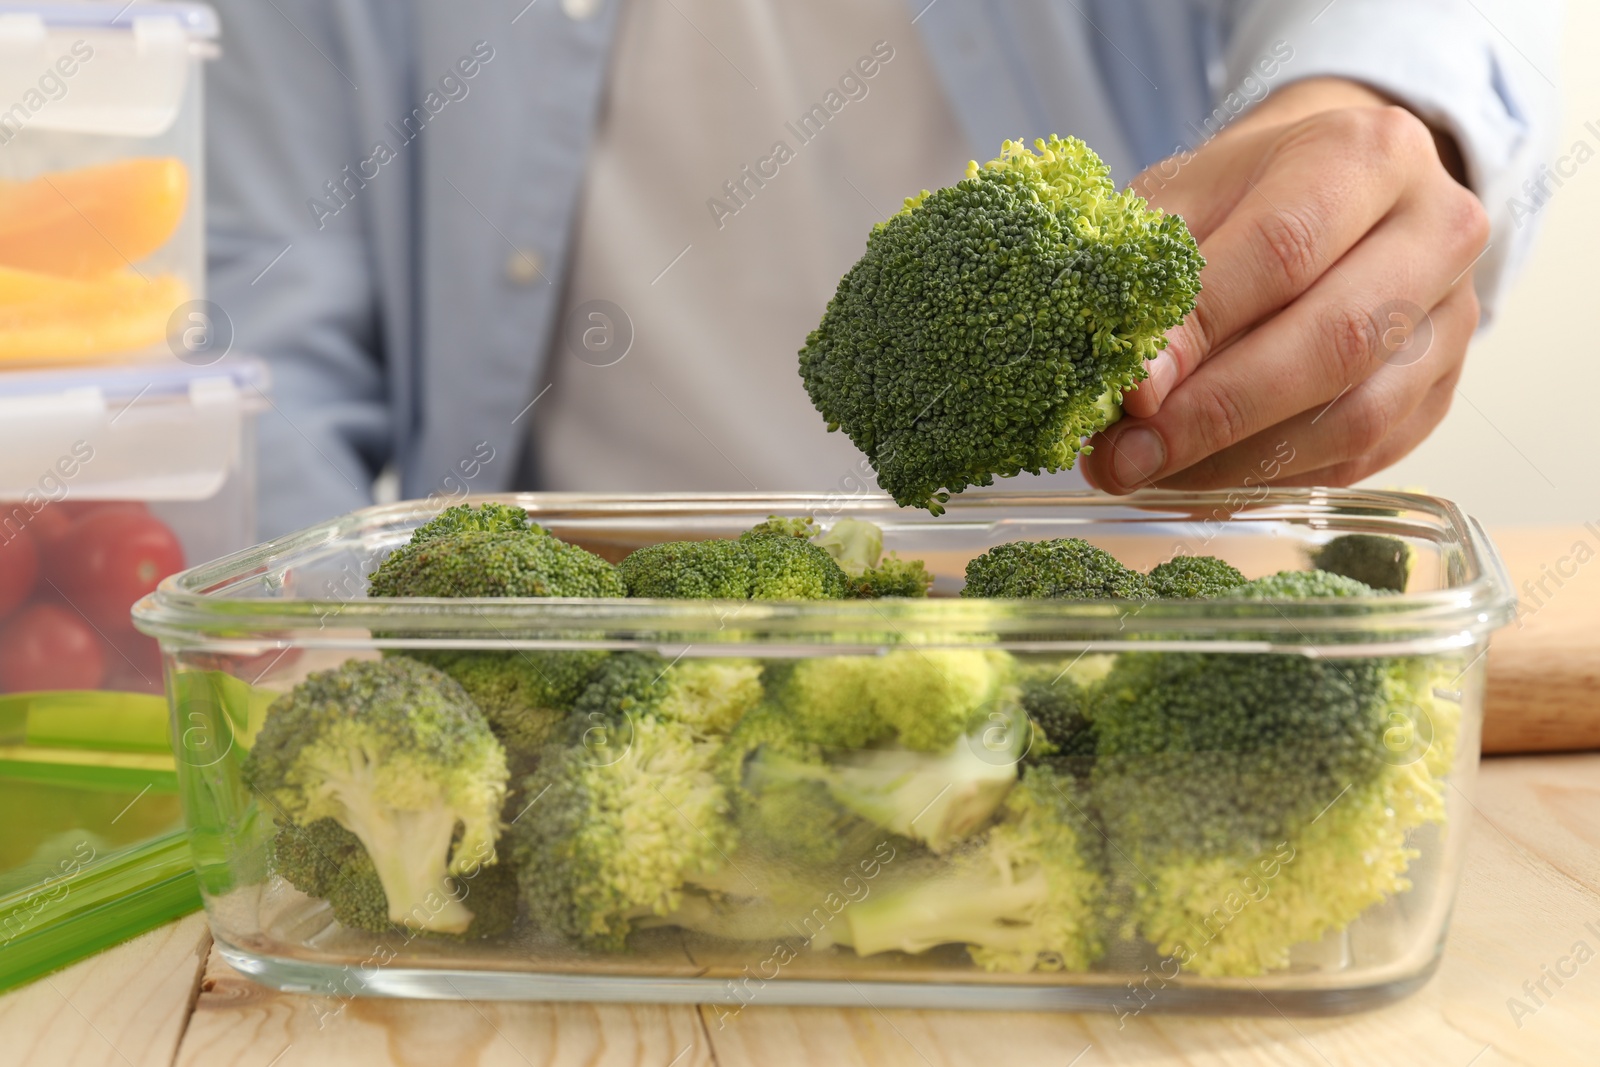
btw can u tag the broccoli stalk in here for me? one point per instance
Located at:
(1023, 897)
(396, 753)
(936, 798)
(325, 860)
(991, 326)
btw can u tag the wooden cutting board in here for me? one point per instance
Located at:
(1544, 669)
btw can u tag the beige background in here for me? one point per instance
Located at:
(1519, 444)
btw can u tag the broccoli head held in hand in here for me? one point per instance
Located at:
(991, 326)
(395, 752)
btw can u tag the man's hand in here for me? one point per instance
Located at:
(1328, 222)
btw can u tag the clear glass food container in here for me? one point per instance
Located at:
(1271, 798)
(102, 232)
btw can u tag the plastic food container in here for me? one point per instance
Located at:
(93, 850)
(111, 479)
(1273, 800)
(102, 250)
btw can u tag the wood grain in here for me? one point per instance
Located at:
(1544, 669)
(125, 1007)
(237, 1023)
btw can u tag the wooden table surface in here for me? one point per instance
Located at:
(1528, 906)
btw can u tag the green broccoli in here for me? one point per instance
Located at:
(493, 563)
(1025, 896)
(325, 860)
(917, 741)
(525, 695)
(613, 829)
(1066, 567)
(707, 695)
(993, 325)
(892, 577)
(766, 566)
(1059, 707)
(922, 698)
(486, 518)
(395, 752)
(938, 798)
(1194, 578)
(493, 550)
(1256, 798)
(1300, 585)
(1379, 561)
(800, 526)
(857, 545)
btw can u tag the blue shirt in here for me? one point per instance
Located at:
(391, 185)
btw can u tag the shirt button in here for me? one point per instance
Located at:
(579, 10)
(523, 267)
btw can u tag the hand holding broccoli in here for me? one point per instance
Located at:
(1329, 223)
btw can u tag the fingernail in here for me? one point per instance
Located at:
(1138, 455)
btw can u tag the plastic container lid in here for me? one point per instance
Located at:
(100, 68)
(166, 431)
(93, 851)
(197, 20)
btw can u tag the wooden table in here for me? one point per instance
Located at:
(1529, 896)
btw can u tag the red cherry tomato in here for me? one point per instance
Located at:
(48, 526)
(109, 559)
(49, 647)
(19, 567)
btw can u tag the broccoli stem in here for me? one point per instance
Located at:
(982, 908)
(410, 849)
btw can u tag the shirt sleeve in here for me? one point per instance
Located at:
(1482, 70)
(298, 286)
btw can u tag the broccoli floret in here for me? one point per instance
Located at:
(1059, 707)
(395, 752)
(1300, 585)
(1025, 896)
(907, 740)
(709, 696)
(857, 545)
(893, 576)
(486, 518)
(788, 568)
(1241, 914)
(792, 821)
(923, 698)
(494, 563)
(1194, 578)
(767, 566)
(993, 325)
(527, 696)
(614, 829)
(325, 860)
(777, 525)
(1219, 773)
(1379, 561)
(1066, 567)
